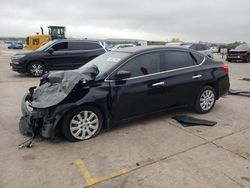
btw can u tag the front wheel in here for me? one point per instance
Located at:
(36, 69)
(82, 124)
(205, 100)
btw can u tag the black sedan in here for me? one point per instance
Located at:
(122, 85)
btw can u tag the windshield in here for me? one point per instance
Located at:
(106, 61)
(242, 47)
(43, 47)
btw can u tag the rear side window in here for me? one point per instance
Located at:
(62, 46)
(178, 59)
(84, 46)
(198, 58)
(143, 65)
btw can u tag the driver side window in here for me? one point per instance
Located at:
(62, 46)
(143, 65)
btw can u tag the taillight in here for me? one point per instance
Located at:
(225, 68)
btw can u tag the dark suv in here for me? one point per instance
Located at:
(57, 55)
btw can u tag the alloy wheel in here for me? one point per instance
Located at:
(84, 125)
(36, 70)
(207, 100)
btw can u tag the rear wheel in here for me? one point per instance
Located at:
(205, 100)
(36, 69)
(82, 124)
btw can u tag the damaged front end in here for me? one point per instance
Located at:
(43, 106)
(36, 121)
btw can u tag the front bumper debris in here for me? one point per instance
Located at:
(43, 106)
(34, 121)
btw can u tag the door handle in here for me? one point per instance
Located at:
(158, 84)
(197, 76)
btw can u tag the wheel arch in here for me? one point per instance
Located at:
(106, 117)
(35, 60)
(215, 87)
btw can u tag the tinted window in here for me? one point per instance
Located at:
(194, 47)
(198, 58)
(143, 64)
(83, 46)
(62, 46)
(177, 59)
(201, 47)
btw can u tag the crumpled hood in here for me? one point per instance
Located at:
(56, 86)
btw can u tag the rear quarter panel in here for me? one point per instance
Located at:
(215, 76)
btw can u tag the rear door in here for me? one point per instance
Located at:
(184, 77)
(82, 52)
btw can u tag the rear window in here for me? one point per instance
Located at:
(84, 46)
(201, 47)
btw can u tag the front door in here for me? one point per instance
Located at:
(143, 91)
(61, 58)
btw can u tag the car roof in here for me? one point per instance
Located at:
(138, 49)
(77, 40)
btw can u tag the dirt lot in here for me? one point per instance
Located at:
(152, 152)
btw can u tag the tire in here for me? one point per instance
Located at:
(205, 100)
(82, 124)
(36, 69)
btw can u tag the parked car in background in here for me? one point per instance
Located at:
(226, 46)
(173, 44)
(61, 54)
(121, 85)
(15, 46)
(240, 53)
(118, 46)
(214, 49)
(202, 48)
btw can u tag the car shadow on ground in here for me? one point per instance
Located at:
(151, 118)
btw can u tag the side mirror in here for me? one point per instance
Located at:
(120, 75)
(50, 50)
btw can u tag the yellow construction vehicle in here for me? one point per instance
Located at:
(35, 41)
